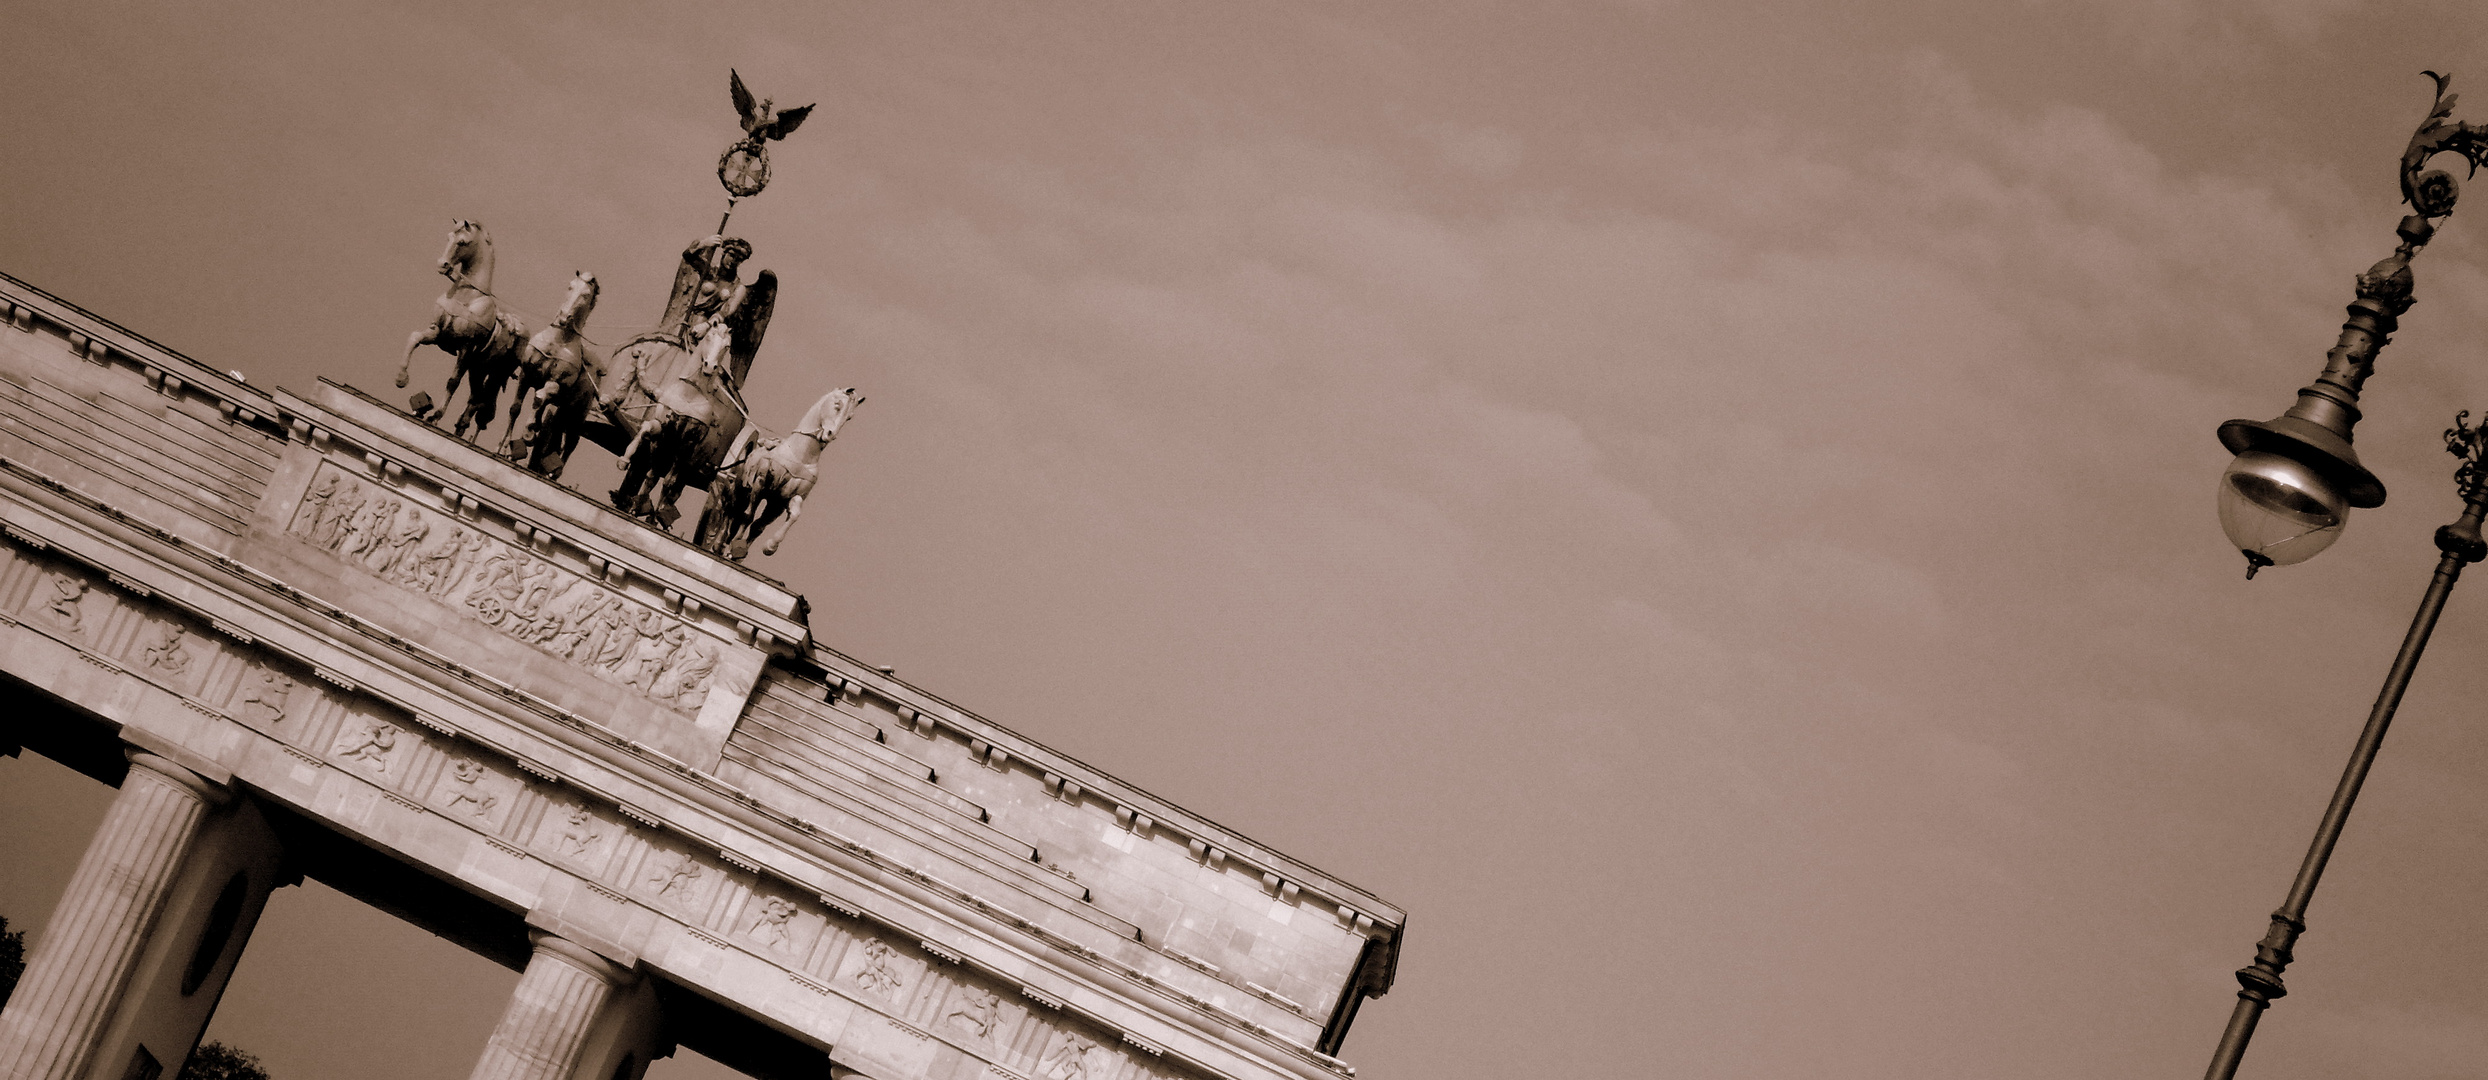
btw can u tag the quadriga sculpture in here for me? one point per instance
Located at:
(682, 418)
(557, 377)
(762, 478)
(671, 403)
(468, 324)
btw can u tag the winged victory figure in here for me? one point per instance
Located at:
(760, 121)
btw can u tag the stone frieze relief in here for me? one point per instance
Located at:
(510, 589)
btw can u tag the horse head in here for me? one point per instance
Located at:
(464, 244)
(712, 345)
(576, 304)
(829, 414)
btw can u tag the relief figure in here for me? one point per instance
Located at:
(462, 563)
(263, 694)
(465, 773)
(536, 584)
(167, 656)
(685, 681)
(878, 974)
(369, 529)
(581, 832)
(371, 744)
(770, 928)
(621, 631)
(976, 1011)
(682, 873)
(409, 533)
(496, 585)
(564, 634)
(648, 660)
(315, 505)
(423, 572)
(336, 515)
(1069, 1061)
(67, 607)
(553, 611)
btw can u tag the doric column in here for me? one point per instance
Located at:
(82, 963)
(558, 999)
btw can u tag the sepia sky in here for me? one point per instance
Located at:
(1707, 506)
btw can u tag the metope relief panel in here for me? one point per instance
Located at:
(777, 927)
(1072, 1055)
(878, 971)
(473, 793)
(976, 1016)
(66, 603)
(268, 693)
(573, 834)
(168, 650)
(371, 747)
(677, 881)
(525, 597)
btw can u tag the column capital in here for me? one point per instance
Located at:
(582, 957)
(213, 791)
(177, 763)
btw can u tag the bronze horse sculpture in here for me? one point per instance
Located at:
(683, 417)
(762, 478)
(557, 375)
(468, 324)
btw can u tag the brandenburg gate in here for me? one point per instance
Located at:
(312, 634)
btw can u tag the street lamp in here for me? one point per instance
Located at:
(2292, 487)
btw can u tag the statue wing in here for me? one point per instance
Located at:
(686, 285)
(743, 102)
(750, 322)
(786, 123)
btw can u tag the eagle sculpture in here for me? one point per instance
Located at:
(759, 120)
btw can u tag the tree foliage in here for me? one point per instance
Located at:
(216, 1061)
(12, 958)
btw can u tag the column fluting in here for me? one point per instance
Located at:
(82, 963)
(558, 999)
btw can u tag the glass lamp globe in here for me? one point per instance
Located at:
(2277, 510)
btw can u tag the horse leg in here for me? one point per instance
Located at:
(475, 392)
(514, 444)
(414, 341)
(661, 510)
(449, 390)
(555, 455)
(483, 394)
(519, 402)
(543, 431)
(630, 453)
(794, 509)
(478, 410)
(709, 515)
(627, 498)
(746, 525)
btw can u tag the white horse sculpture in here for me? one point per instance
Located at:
(763, 478)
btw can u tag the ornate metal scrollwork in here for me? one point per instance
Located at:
(2469, 443)
(2432, 192)
(2462, 540)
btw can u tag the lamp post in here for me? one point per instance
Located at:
(2291, 488)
